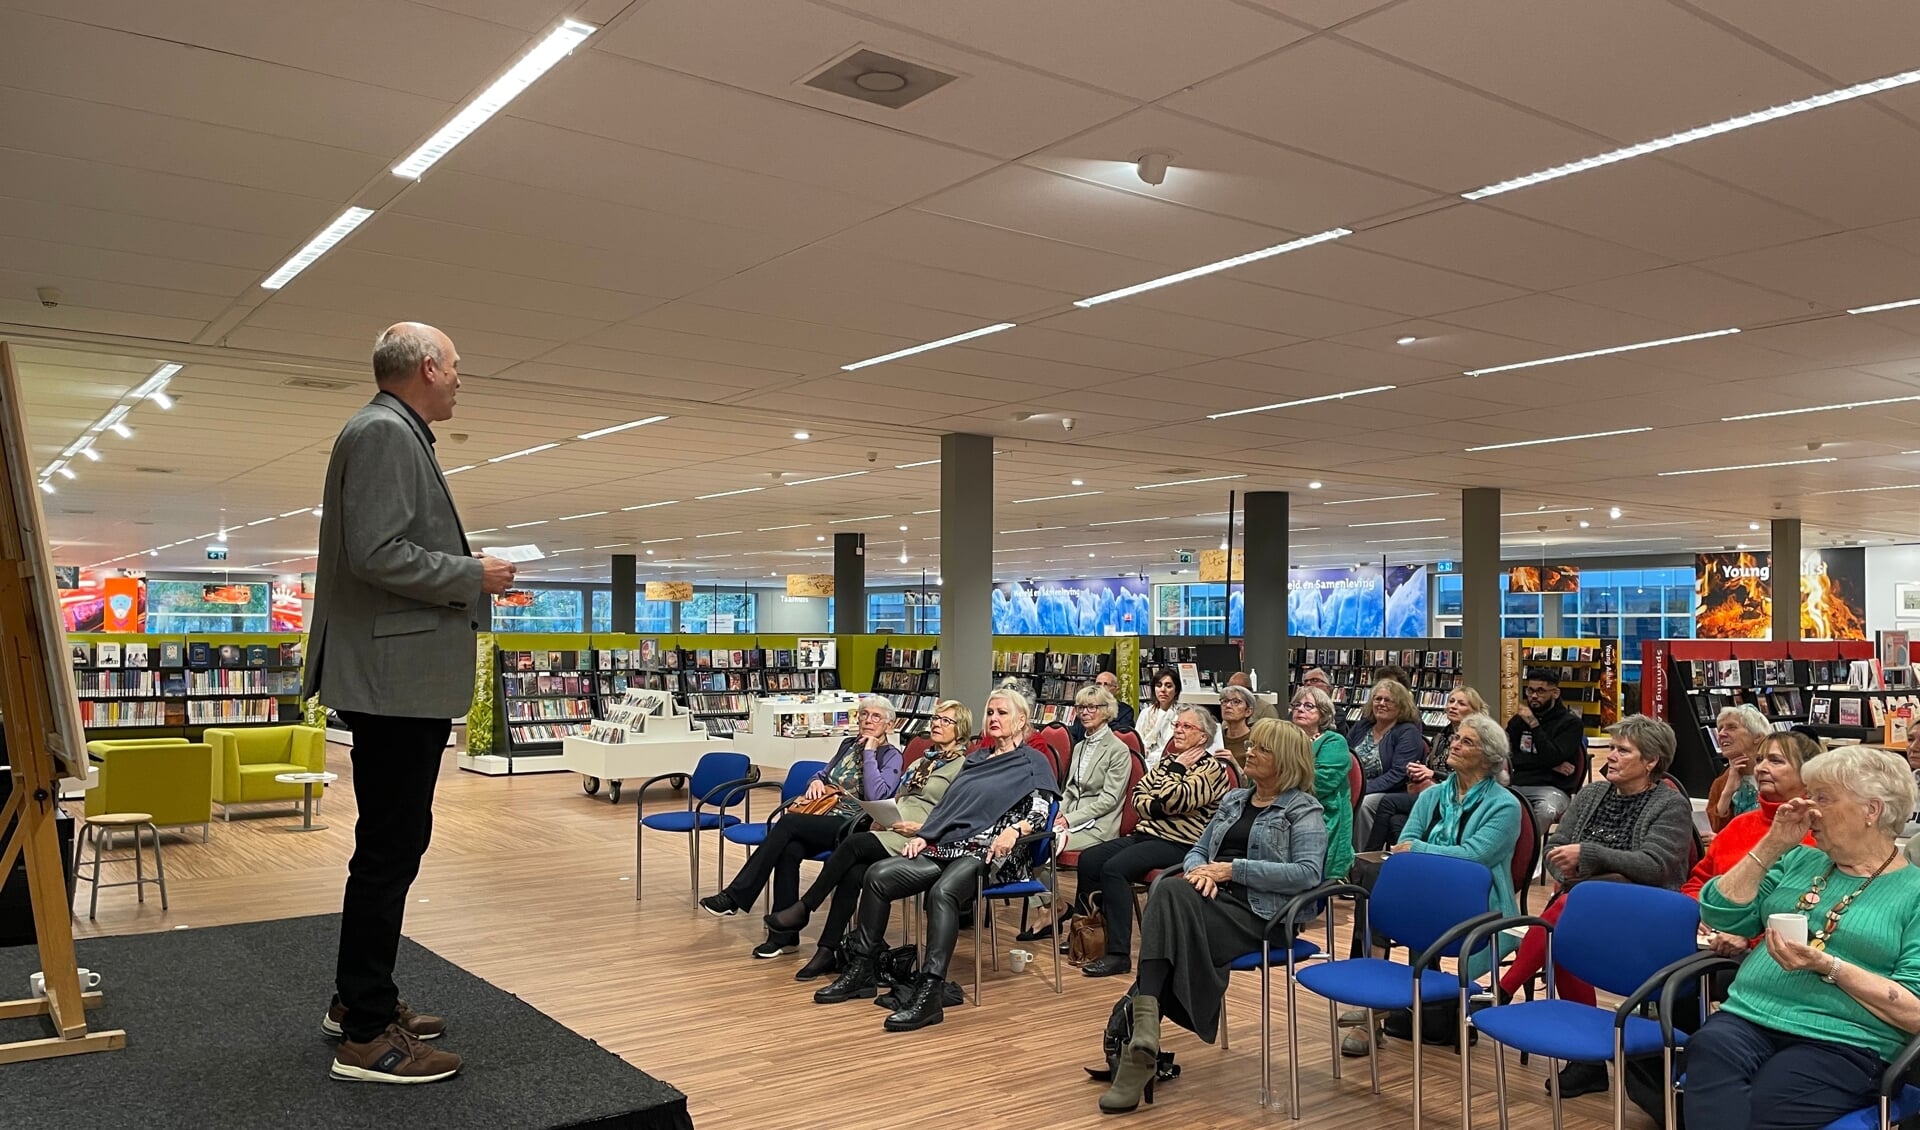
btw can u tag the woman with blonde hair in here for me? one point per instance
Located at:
(925, 782)
(1390, 810)
(1386, 739)
(1265, 844)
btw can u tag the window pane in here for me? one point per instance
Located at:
(540, 610)
(1520, 604)
(1520, 627)
(1448, 597)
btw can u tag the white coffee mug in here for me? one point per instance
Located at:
(37, 984)
(1017, 960)
(1791, 927)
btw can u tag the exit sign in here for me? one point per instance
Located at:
(216, 553)
(1184, 556)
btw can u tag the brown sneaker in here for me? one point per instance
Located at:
(394, 1056)
(418, 1025)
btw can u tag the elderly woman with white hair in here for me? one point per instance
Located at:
(1003, 793)
(1809, 1027)
(867, 766)
(1738, 731)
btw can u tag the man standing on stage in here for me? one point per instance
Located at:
(390, 648)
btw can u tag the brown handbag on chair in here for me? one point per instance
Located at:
(819, 806)
(1087, 934)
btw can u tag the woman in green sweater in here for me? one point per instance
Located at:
(1848, 993)
(1313, 711)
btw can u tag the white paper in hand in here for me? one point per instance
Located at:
(514, 553)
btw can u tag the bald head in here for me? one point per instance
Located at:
(420, 365)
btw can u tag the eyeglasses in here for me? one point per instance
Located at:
(1087, 706)
(943, 719)
(871, 716)
(1299, 706)
(1186, 727)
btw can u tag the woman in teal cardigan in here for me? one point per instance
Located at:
(1846, 997)
(1469, 815)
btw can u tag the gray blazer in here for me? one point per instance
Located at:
(396, 598)
(1096, 788)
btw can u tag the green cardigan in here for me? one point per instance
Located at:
(1880, 932)
(1331, 760)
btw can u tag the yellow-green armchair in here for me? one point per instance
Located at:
(246, 762)
(168, 777)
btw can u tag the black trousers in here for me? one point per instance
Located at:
(1389, 820)
(792, 839)
(841, 879)
(396, 764)
(1112, 868)
(949, 884)
(1741, 1076)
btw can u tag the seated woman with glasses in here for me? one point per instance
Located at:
(1174, 801)
(866, 767)
(1314, 712)
(1390, 809)
(1003, 793)
(926, 781)
(1387, 739)
(1096, 786)
(1238, 707)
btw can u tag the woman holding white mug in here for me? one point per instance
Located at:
(1848, 992)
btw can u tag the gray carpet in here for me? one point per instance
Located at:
(223, 1030)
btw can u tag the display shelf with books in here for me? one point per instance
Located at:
(719, 684)
(182, 683)
(1054, 676)
(544, 696)
(908, 677)
(1352, 666)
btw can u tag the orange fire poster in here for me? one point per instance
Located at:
(125, 605)
(1733, 595)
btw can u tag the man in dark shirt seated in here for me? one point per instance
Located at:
(1549, 749)
(1076, 733)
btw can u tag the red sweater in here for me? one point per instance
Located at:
(1741, 835)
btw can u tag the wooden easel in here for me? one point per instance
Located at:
(43, 740)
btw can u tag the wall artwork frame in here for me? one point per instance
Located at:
(1906, 600)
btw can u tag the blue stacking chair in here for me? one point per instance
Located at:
(1428, 903)
(720, 781)
(1042, 844)
(1621, 938)
(752, 835)
(1898, 1099)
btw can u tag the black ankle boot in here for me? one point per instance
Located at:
(854, 983)
(825, 960)
(927, 1006)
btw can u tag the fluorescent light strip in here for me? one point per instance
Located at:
(1875, 309)
(1130, 521)
(621, 427)
(555, 47)
(721, 534)
(1698, 133)
(910, 466)
(1401, 541)
(457, 470)
(302, 510)
(1089, 544)
(1395, 522)
(1564, 439)
(911, 350)
(524, 525)
(262, 521)
(1298, 403)
(488, 530)
(650, 505)
(588, 514)
(1602, 352)
(935, 510)
(1211, 268)
(1555, 510)
(1380, 498)
(825, 478)
(613, 545)
(1748, 466)
(1022, 549)
(1188, 482)
(1032, 529)
(660, 541)
(1821, 408)
(1056, 497)
(727, 493)
(523, 451)
(868, 518)
(1869, 490)
(795, 526)
(317, 246)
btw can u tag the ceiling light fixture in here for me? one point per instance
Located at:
(1584, 524)
(825, 478)
(1560, 439)
(803, 435)
(1032, 529)
(1820, 408)
(613, 545)
(457, 470)
(1189, 482)
(1085, 544)
(1866, 490)
(910, 466)
(911, 350)
(92, 455)
(1395, 522)
(1401, 541)
(1211, 268)
(1314, 485)
(1614, 513)
(1409, 340)
(726, 493)
(795, 526)
(1602, 352)
(868, 518)
(523, 451)
(650, 505)
(1151, 168)
(1698, 133)
(556, 46)
(1130, 521)
(597, 433)
(46, 486)
(1753, 525)
(319, 245)
(1056, 497)
(1545, 510)
(63, 470)
(262, 521)
(660, 541)
(1875, 309)
(524, 525)
(588, 514)
(1299, 403)
(120, 429)
(935, 510)
(1748, 466)
(1379, 498)
(721, 534)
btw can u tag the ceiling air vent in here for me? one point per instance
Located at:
(317, 384)
(153, 470)
(881, 80)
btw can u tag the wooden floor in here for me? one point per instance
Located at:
(529, 884)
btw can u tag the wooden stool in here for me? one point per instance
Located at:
(103, 827)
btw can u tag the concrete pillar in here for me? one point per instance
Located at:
(966, 560)
(1785, 578)
(849, 584)
(1480, 588)
(625, 598)
(1265, 645)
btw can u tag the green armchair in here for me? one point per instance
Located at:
(245, 763)
(168, 777)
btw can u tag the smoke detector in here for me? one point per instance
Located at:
(316, 384)
(877, 79)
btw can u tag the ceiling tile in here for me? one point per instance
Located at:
(1504, 248)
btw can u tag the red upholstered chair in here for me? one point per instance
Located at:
(1526, 851)
(916, 749)
(1356, 780)
(1054, 742)
(1132, 742)
(1128, 816)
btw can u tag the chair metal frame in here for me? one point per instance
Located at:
(1045, 846)
(787, 797)
(721, 797)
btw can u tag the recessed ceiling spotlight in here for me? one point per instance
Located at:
(1753, 525)
(1584, 523)
(1314, 485)
(803, 435)
(819, 537)
(1614, 513)
(649, 553)
(1078, 483)
(1089, 553)
(316, 512)
(1408, 340)
(903, 529)
(1152, 167)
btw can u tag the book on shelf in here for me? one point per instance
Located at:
(232, 656)
(135, 654)
(257, 655)
(106, 655)
(1849, 712)
(81, 654)
(1878, 708)
(172, 655)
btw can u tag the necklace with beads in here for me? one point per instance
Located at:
(1811, 899)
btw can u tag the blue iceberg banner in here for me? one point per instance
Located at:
(1406, 590)
(1336, 602)
(1092, 607)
